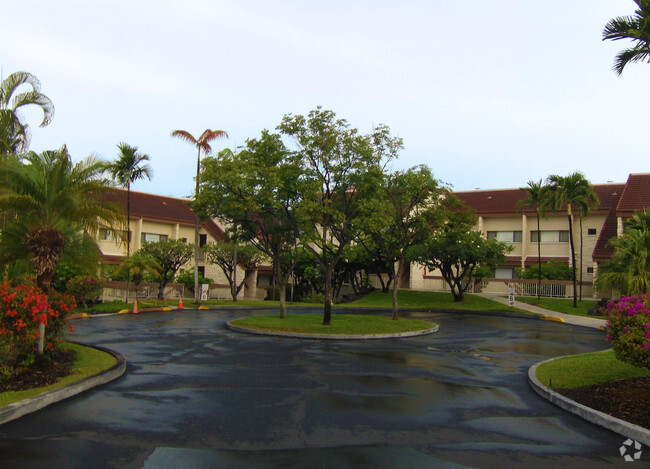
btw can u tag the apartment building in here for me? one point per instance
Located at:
(155, 218)
(500, 217)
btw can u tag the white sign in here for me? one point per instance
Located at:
(204, 291)
(511, 300)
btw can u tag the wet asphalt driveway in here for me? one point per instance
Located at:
(197, 395)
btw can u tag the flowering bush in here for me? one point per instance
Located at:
(86, 289)
(629, 329)
(22, 310)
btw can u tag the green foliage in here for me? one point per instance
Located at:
(22, 310)
(187, 279)
(634, 28)
(14, 135)
(169, 255)
(628, 271)
(58, 202)
(341, 171)
(457, 250)
(551, 270)
(223, 254)
(86, 289)
(628, 329)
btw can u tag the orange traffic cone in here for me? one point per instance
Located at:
(135, 307)
(180, 302)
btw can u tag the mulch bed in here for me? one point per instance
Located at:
(627, 399)
(44, 373)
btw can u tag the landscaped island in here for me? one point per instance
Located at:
(345, 325)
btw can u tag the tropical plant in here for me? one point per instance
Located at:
(221, 254)
(58, 201)
(341, 171)
(628, 329)
(86, 289)
(635, 28)
(565, 192)
(458, 251)
(258, 192)
(202, 145)
(187, 279)
(170, 256)
(14, 137)
(406, 211)
(137, 267)
(128, 168)
(536, 196)
(628, 271)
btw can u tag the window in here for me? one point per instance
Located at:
(505, 273)
(106, 234)
(590, 270)
(153, 237)
(550, 236)
(505, 236)
(202, 271)
(203, 240)
(591, 231)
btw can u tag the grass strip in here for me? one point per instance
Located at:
(341, 324)
(586, 369)
(430, 300)
(89, 362)
(561, 305)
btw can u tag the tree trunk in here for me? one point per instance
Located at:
(539, 259)
(573, 260)
(327, 310)
(128, 237)
(197, 296)
(580, 287)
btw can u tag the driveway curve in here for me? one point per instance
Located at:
(199, 395)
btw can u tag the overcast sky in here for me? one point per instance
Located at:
(489, 94)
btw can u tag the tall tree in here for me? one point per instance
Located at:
(341, 170)
(202, 145)
(565, 192)
(636, 28)
(170, 255)
(258, 190)
(222, 255)
(128, 168)
(407, 210)
(13, 131)
(55, 199)
(537, 196)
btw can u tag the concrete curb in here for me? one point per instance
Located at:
(298, 335)
(619, 426)
(40, 401)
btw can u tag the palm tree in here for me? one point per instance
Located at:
(637, 29)
(628, 271)
(10, 103)
(202, 144)
(573, 189)
(126, 169)
(55, 199)
(139, 264)
(537, 196)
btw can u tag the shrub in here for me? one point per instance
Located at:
(187, 279)
(22, 310)
(86, 289)
(629, 329)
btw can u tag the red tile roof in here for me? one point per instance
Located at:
(161, 208)
(504, 201)
(636, 195)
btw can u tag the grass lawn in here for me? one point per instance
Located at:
(430, 300)
(90, 361)
(586, 369)
(561, 305)
(341, 324)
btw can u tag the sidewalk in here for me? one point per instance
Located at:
(596, 323)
